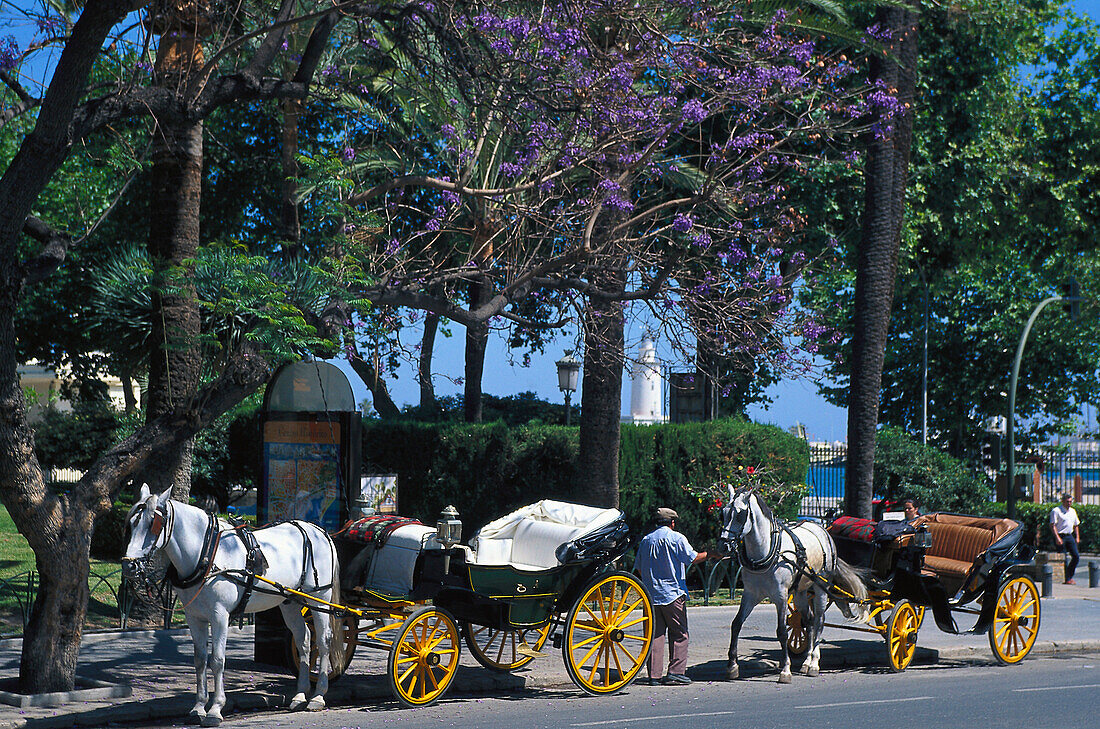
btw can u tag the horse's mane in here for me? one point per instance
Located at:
(764, 507)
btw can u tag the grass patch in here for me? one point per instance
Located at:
(16, 586)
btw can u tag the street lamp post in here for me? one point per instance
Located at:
(1010, 496)
(568, 370)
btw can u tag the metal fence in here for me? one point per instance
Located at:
(1076, 472)
(825, 477)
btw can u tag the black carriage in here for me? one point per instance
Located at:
(546, 572)
(949, 563)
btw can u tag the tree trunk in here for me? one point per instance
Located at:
(601, 398)
(175, 363)
(477, 339)
(289, 214)
(876, 266)
(383, 403)
(428, 403)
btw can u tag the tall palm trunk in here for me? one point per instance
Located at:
(601, 397)
(477, 339)
(876, 266)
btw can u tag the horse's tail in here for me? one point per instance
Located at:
(851, 580)
(336, 647)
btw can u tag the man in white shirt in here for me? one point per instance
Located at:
(663, 558)
(1067, 532)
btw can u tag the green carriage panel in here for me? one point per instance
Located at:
(530, 596)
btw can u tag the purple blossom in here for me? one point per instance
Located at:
(682, 223)
(348, 154)
(9, 53)
(694, 111)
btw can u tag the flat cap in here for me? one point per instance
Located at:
(666, 514)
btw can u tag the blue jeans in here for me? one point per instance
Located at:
(1069, 547)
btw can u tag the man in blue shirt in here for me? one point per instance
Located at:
(663, 558)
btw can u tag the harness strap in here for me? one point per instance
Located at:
(254, 563)
(206, 560)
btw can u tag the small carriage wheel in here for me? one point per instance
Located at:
(1016, 620)
(798, 630)
(901, 634)
(424, 657)
(338, 662)
(608, 634)
(504, 650)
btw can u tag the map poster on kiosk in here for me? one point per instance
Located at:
(302, 460)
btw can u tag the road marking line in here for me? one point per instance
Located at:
(655, 718)
(865, 703)
(1057, 688)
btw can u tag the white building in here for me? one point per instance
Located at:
(45, 384)
(647, 386)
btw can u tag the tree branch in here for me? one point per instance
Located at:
(52, 255)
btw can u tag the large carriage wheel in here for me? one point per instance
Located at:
(608, 633)
(338, 661)
(504, 650)
(901, 634)
(798, 630)
(424, 657)
(1016, 620)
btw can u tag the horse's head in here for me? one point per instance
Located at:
(149, 522)
(735, 518)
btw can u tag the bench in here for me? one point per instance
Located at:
(958, 542)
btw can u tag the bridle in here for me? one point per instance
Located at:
(735, 543)
(140, 571)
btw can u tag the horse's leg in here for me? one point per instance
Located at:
(779, 597)
(219, 634)
(200, 636)
(817, 617)
(748, 602)
(322, 629)
(292, 616)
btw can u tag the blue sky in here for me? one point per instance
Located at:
(793, 400)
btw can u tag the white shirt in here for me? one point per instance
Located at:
(1063, 519)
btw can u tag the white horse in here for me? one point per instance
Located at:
(779, 559)
(209, 572)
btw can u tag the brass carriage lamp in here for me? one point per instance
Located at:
(448, 532)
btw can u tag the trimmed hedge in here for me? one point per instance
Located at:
(1036, 520)
(904, 467)
(489, 470)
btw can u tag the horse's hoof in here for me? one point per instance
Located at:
(784, 678)
(317, 703)
(732, 674)
(211, 720)
(297, 702)
(196, 716)
(812, 672)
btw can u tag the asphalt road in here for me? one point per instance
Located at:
(1042, 693)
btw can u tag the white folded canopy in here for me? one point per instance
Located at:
(529, 537)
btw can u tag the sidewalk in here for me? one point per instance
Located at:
(158, 666)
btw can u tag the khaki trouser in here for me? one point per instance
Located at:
(671, 619)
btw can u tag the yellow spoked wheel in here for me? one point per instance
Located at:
(343, 646)
(1016, 620)
(424, 657)
(901, 634)
(504, 650)
(608, 634)
(798, 630)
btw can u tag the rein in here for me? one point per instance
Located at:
(774, 553)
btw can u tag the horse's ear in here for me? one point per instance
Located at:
(164, 496)
(144, 493)
(733, 494)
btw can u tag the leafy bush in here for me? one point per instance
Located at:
(906, 468)
(1036, 521)
(488, 470)
(75, 439)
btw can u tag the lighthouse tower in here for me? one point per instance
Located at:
(646, 386)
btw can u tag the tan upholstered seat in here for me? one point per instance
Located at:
(957, 542)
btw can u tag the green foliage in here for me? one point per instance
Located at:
(524, 408)
(907, 468)
(75, 439)
(228, 452)
(488, 470)
(1036, 521)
